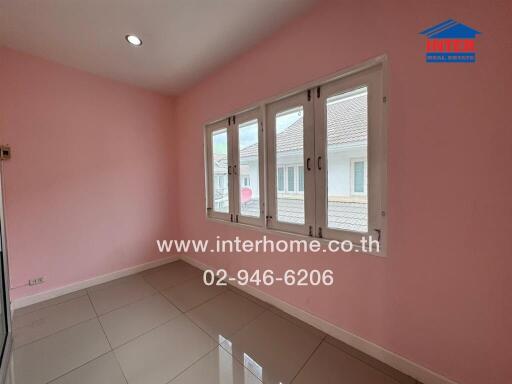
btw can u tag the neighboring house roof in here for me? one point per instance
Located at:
(450, 29)
(352, 216)
(220, 163)
(346, 123)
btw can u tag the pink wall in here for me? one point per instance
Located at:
(442, 297)
(90, 184)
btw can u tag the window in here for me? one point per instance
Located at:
(288, 144)
(325, 161)
(220, 169)
(234, 162)
(248, 148)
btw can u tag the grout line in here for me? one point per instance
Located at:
(14, 316)
(370, 365)
(55, 333)
(43, 309)
(101, 325)
(74, 369)
(308, 359)
(193, 363)
(235, 332)
(97, 316)
(126, 305)
(195, 306)
(120, 366)
(149, 330)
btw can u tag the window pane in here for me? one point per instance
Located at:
(359, 176)
(347, 138)
(289, 150)
(291, 179)
(280, 179)
(301, 178)
(249, 169)
(220, 170)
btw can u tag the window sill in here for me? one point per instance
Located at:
(295, 236)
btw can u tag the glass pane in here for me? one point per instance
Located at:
(249, 169)
(220, 171)
(291, 179)
(347, 140)
(280, 179)
(289, 153)
(301, 178)
(359, 177)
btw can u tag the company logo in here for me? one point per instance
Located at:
(450, 42)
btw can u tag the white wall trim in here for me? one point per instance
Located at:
(392, 359)
(73, 287)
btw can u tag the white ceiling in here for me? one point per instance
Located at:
(183, 39)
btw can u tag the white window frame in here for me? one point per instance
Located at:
(371, 78)
(237, 120)
(210, 177)
(272, 109)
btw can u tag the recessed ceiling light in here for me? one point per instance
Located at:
(133, 40)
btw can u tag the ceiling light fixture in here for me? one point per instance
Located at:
(133, 40)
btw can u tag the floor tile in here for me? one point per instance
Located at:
(48, 320)
(296, 321)
(192, 293)
(238, 291)
(218, 367)
(47, 303)
(118, 293)
(384, 368)
(273, 348)
(170, 275)
(329, 365)
(103, 370)
(161, 354)
(55, 355)
(128, 322)
(225, 314)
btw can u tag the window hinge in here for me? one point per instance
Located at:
(231, 219)
(236, 218)
(320, 232)
(311, 230)
(233, 119)
(309, 94)
(318, 92)
(385, 99)
(5, 152)
(379, 232)
(269, 219)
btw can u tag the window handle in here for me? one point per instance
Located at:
(319, 162)
(229, 169)
(308, 165)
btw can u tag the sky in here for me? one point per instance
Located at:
(248, 132)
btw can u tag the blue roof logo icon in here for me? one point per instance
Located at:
(450, 42)
(450, 29)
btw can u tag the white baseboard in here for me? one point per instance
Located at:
(52, 293)
(392, 359)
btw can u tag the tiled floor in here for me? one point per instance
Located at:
(164, 326)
